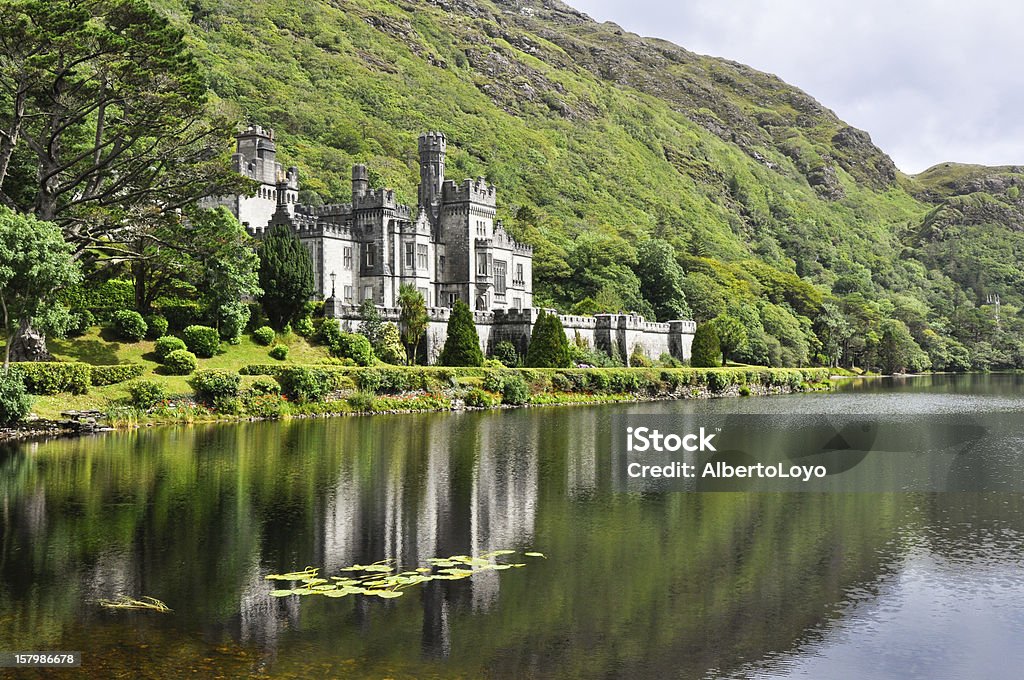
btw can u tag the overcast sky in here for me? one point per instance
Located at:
(930, 80)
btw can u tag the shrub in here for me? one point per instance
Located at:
(203, 341)
(81, 321)
(638, 359)
(514, 390)
(232, 318)
(111, 375)
(303, 385)
(54, 377)
(506, 353)
(218, 389)
(362, 401)
(15, 403)
(179, 313)
(157, 326)
(264, 335)
(388, 346)
(462, 346)
(279, 352)
(329, 332)
(168, 344)
(304, 327)
(145, 394)
(180, 362)
(478, 398)
(549, 348)
(353, 346)
(129, 325)
(264, 386)
(707, 352)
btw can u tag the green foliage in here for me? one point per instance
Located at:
(707, 350)
(304, 327)
(506, 353)
(353, 346)
(53, 377)
(661, 280)
(129, 325)
(549, 346)
(156, 326)
(35, 262)
(389, 345)
(146, 394)
(731, 335)
(265, 386)
(514, 391)
(102, 298)
(638, 357)
(180, 362)
(264, 335)
(413, 319)
(279, 352)
(217, 389)
(303, 384)
(100, 376)
(898, 352)
(478, 398)
(203, 341)
(168, 344)
(462, 346)
(285, 275)
(81, 321)
(362, 402)
(179, 313)
(15, 404)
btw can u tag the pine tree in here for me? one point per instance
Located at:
(706, 351)
(286, 276)
(462, 347)
(549, 348)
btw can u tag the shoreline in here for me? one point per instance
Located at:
(451, 400)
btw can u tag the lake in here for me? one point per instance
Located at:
(634, 585)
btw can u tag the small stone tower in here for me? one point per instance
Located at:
(433, 146)
(360, 181)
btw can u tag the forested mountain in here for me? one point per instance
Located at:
(646, 176)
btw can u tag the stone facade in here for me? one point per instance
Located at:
(450, 247)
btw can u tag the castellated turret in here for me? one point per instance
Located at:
(360, 181)
(432, 147)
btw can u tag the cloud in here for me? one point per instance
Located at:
(930, 80)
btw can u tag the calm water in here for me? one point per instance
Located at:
(684, 585)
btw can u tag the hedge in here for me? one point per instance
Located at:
(54, 377)
(111, 375)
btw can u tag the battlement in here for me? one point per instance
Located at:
(380, 198)
(473, 191)
(503, 240)
(327, 210)
(257, 131)
(435, 142)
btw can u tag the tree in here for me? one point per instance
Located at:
(706, 351)
(731, 335)
(372, 325)
(897, 350)
(833, 330)
(35, 262)
(412, 319)
(229, 268)
(549, 347)
(286, 276)
(661, 280)
(105, 101)
(462, 347)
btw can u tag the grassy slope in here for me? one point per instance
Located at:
(588, 127)
(96, 348)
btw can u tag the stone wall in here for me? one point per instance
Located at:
(620, 333)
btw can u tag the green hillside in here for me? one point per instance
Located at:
(779, 213)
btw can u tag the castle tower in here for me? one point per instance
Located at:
(258, 153)
(360, 181)
(432, 146)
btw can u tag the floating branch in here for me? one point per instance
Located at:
(125, 602)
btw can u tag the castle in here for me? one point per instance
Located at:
(450, 247)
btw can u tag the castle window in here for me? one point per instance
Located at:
(440, 265)
(371, 255)
(410, 255)
(517, 303)
(421, 257)
(348, 294)
(425, 293)
(519, 273)
(499, 277)
(452, 298)
(347, 257)
(367, 293)
(482, 268)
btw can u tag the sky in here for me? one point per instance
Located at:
(929, 80)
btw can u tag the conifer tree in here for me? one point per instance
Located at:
(549, 348)
(706, 351)
(462, 347)
(286, 276)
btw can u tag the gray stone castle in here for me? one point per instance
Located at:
(450, 247)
